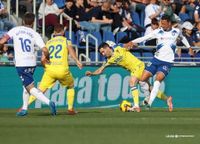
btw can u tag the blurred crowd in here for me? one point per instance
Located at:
(113, 16)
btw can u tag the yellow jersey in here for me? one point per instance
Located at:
(58, 52)
(122, 57)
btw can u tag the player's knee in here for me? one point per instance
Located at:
(71, 85)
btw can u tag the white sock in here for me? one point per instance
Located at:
(145, 89)
(154, 92)
(25, 99)
(39, 95)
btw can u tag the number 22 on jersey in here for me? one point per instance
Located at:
(54, 51)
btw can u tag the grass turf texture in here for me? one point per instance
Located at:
(101, 126)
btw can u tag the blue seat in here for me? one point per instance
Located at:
(135, 17)
(60, 3)
(98, 36)
(81, 39)
(120, 35)
(92, 56)
(137, 54)
(142, 16)
(177, 59)
(185, 57)
(73, 38)
(108, 36)
(197, 57)
(184, 17)
(147, 56)
(2, 33)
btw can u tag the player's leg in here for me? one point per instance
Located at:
(135, 92)
(159, 77)
(24, 110)
(40, 96)
(46, 82)
(134, 79)
(68, 81)
(26, 75)
(163, 69)
(33, 98)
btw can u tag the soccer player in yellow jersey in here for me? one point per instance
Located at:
(58, 69)
(116, 54)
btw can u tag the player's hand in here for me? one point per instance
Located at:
(129, 45)
(44, 61)
(79, 64)
(191, 52)
(88, 73)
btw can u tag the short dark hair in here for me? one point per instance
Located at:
(58, 28)
(103, 45)
(29, 18)
(154, 21)
(166, 17)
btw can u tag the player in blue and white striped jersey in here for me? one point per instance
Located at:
(161, 64)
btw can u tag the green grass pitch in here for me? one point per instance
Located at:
(101, 126)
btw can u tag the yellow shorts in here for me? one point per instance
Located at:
(50, 77)
(138, 70)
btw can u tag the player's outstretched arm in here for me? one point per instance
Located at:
(73, 54)
(130, 45)
(134, 42)
(97, 72)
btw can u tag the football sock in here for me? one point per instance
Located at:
(70, 98)
(39, 95)
(161, 95)
(144, 88)
(25, 99)
(135, 94)
(154, 92)
(31, 99)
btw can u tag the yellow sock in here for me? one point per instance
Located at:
(70, 98)
(135, 94)
(161, 95)
(31, 99)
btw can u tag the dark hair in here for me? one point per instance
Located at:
(103, 45)
(29, 18)
(58, 28)
(154, 21)
(166, 17)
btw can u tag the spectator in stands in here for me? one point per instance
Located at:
(122, 16)
(6, 54)
(5, 24)
(116, 15)
(197, 35)
(185, 9)
(138, 5)
(197, 12)
(68, 10)
(51, 12)
(154, 25)
(28, 4)
(187, 28)
(152, 11)
(82, 17)
(166, 9)
(101, 16)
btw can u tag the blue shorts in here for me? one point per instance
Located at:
(26, 75)
(156, 65)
